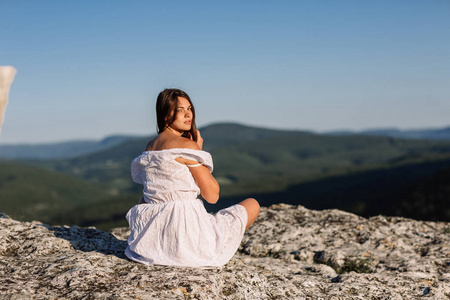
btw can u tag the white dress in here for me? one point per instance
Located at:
(173, 227)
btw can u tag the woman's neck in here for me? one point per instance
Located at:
(170, 129)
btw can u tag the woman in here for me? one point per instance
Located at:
(170, 226)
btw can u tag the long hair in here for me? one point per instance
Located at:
(166, 105)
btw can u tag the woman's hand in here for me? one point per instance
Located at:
(199, 140)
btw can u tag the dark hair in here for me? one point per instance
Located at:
(166, 103)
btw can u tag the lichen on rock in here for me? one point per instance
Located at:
(289, 253)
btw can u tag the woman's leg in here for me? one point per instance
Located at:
(252, 207)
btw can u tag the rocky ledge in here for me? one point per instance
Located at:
(290, 253)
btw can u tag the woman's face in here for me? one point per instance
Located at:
(183, 118)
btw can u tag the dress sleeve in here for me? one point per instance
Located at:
(136, 170)
(202, 157)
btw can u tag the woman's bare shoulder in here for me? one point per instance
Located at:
(151, 144)
(184, 143)
(161, 143)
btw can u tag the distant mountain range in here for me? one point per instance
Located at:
(425, 134)
(76, 148)
(362, 173)
(59, 150)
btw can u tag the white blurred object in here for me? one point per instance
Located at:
(6, 78)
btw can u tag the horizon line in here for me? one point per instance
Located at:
(350, 131)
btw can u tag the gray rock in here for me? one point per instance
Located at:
(3, 216)
(289, 253)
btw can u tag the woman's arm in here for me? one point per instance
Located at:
(209, 188)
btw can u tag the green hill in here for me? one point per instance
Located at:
(31, 193)
(249, 159)
(417, 190)
(356, 172)
(286, 160)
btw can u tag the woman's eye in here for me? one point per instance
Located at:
(189, 108)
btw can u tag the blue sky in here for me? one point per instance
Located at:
(88, 69)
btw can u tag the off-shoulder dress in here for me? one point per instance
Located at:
(172, 227)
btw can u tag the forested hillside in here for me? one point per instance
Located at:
(359, 173)
(32, 193)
